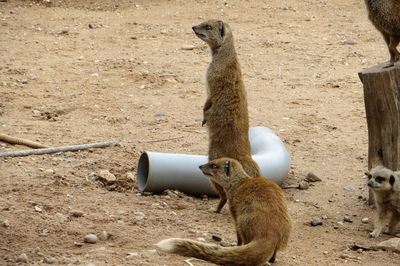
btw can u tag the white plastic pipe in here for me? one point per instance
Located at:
(157, 171)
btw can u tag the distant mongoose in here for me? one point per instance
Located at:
(258, 207)
(385, 15)
(385, 185)
(225, 111)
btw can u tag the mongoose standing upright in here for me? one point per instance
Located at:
(225, 111)
(385, 15)
(385, 185)
(260, 213)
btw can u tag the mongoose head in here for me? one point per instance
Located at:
(213, 32)
(380, 178)
(222, 170)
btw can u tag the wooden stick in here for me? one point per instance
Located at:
(58, 149)
(161, 140)
(20, 141)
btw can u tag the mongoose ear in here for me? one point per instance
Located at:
(368, 175)
(392, 180)
(221, 28)
(227, 168)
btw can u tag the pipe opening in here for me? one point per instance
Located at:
(143, 171)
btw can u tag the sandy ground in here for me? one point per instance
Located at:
(84, 71)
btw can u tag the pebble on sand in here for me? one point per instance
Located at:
(23, 258)
(90, 238)
(316, 221)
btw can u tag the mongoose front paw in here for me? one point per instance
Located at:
(374, 233)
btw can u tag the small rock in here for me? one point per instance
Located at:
(47, 2)
(365, 220)
(130, 176)
(347, 219)
(188, 47)
(78, 244)
(216, 237)
(49, 172)
(121, 212)
(311, 177)
(159, 114)
(344, 256)
(104, 236)
(76, 213)
(49, 260)
(61, 217)
(23, 258)
(201, 239)
(139, 216)
(5, 223)
(350, 188)
(393, 243)
(107, 176)
(316, 221)
(131, 255)
(90, 239)
(62, 32)
(91, 264)
(38, 209)
(44, 232)
(303, 185)
(179, 222)
(347, 42)
(171, 193)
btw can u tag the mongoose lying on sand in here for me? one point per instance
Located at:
(258, 207)
(385, 15)
(225, 111)
(385, 185)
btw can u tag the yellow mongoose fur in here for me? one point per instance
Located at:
(259, 210)
(225, 111)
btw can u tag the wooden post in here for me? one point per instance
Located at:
(382, 99)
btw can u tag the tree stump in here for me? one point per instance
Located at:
(381, 98)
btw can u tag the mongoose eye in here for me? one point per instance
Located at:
(208, 27)
(214, 166)
(379, 179)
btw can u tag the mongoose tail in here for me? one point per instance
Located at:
(255, 253)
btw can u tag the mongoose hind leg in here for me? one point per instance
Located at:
(394, 53)
(239, 238)
(222, 197)
(394, 220)
(392, 42)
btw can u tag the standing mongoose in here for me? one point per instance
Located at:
(260, 213)
(385, 15)
(225, 111)
(385, 185)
